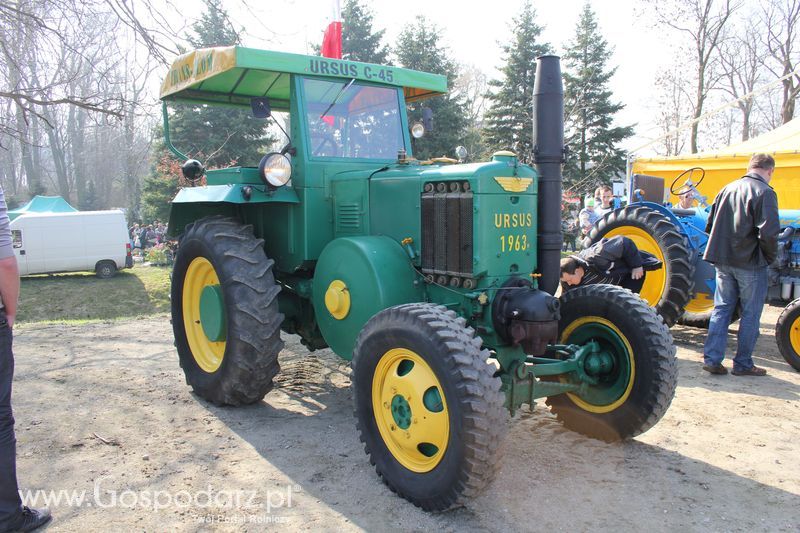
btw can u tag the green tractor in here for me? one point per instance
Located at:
(435, 279)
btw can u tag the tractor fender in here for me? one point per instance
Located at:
(193, 203)
(355, 278)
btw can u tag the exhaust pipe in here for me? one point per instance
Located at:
(548, 156)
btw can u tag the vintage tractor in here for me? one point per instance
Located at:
(675, 290)
(435, 279)
(683, 292)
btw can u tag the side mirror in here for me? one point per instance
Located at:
(260, 107)
(427, 118)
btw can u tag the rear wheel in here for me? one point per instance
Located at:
(225, 312)
(429, 410)
(635, 386)
(787, 333)
(105, 269)
(698, 313)
(669, 288)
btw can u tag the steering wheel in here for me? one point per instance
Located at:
(688, 185)
(319, 141)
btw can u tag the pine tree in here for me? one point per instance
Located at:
(594, 155)
(509, 121)
(359, 41)
(418, 48)
(160, 187)
(216, 135)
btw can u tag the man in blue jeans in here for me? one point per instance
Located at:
(13, 515)
(743, 240)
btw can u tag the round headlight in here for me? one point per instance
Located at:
(417, 130)
(275, 169)
(461, 153)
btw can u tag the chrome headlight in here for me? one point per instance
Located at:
(275, 170)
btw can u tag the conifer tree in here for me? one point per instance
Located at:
(418, 48)
(215, 135)
(594, 155)
(360, 42)
(509, 121)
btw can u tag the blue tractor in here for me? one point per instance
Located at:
(683, 291)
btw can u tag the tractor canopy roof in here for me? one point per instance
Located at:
(232, 75)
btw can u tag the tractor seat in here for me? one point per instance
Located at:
(652, 188)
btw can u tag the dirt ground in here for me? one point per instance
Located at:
(103, 409)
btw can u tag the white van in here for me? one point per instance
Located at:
(72, 242)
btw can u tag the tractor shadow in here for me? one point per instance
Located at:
(306, 429)
(690, 342)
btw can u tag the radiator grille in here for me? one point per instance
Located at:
(447, 245)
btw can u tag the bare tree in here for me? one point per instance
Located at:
(781, 19)
(704, 23)
(741, 59)
(673, 111)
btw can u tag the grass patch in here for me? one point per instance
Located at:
(83, 297)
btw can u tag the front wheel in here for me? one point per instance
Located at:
(636, 384)
(787, 333)
(429, 410)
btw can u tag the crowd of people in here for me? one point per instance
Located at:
(577, 223)
(146, 236)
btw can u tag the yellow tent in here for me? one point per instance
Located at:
(730, 163)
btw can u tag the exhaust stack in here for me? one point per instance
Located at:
(548, 156)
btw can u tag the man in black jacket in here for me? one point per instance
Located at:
(743, 240)
(616, 261)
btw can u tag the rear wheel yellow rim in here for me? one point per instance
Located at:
(701, 303)
(207, 354)
(410, 410)
(622, 389)
(794, 335)
(656, 280)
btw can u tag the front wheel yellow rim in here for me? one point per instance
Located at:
(656, 280)
(207, 354)
(410, 410)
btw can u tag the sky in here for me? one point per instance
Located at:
(473, 32)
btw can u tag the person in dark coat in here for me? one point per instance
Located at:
(743, 232)
(616, 261)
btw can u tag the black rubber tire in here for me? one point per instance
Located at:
(105, 269)
(677, 256)
(790, 317)
(702, 320)
(250, 360)
(475, 403)
(656, 370)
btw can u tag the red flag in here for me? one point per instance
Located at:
(332, 42)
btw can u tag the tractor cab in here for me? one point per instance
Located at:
(338, 111)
